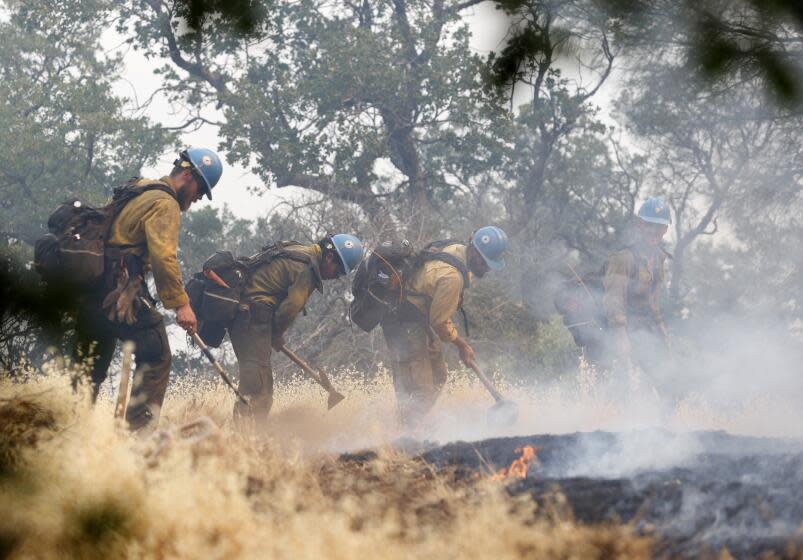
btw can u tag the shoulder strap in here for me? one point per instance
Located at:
(279, 250)
(442, 244)
(125, 194)
(131, 190)
(450, 260)
(434, 252)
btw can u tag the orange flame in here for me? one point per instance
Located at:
(518, 468)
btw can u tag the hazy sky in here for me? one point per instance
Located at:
(488, 31)
(488, 27)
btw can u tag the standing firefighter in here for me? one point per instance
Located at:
(416, 330)
(633, 282)
(143, 236)
(276, 286)
(614, 314)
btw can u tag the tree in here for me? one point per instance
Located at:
(561, 168)
(721, 43)
(65, 134)
(731, 156)
(370, 103)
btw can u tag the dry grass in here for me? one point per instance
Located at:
(74, 485)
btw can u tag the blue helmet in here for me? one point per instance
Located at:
(207, 164)
(491, 243)
(349, 249)
(656, 211)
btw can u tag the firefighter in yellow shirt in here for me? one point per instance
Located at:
(144, 237)
(633, 281)
(272, 298)
(416, 332)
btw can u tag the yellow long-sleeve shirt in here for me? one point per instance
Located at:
(286, 285)
(637, 299)
(152, 221)
(440, 286)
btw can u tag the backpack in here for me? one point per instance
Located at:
(216, 292)
(380, 283)
(75, 249)
(579, 299)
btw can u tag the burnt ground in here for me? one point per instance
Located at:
(695, 492)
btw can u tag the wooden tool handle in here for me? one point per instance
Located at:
(487, 382)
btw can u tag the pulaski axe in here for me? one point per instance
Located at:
(209, 356)
(504, 412)
(318, 376)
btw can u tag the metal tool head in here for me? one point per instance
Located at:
(503, 413)
(334, 399)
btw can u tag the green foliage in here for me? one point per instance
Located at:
(244, 16)
(210, 229)
(31, 318)
(65, 134)
(382, 113)
(339, 93)
(724, 42)
(723, 158)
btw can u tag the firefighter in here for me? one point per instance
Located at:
(273, 295)
(632, 284)
(415, 333)
(144, 237)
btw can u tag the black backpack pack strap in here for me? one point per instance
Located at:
(216, 292)
(283, 250)
(77, 246)
(579, 298)
(124, 195)
(381, 282)
(434, 252)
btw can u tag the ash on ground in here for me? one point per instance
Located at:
(697, 493)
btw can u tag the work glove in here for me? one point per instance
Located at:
(122, 303)
(128, 303)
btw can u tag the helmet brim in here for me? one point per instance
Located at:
(342, 259)
(656, 220)
(203, 184)
(493, 264)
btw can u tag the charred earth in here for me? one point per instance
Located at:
(696, 493)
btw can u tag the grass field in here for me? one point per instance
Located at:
(72, 484)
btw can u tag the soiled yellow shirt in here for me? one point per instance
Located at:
(152, 221)
(441, 286)
(633, 294)
(285, 285)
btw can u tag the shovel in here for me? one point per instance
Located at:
(318, 376)
(504, 412)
